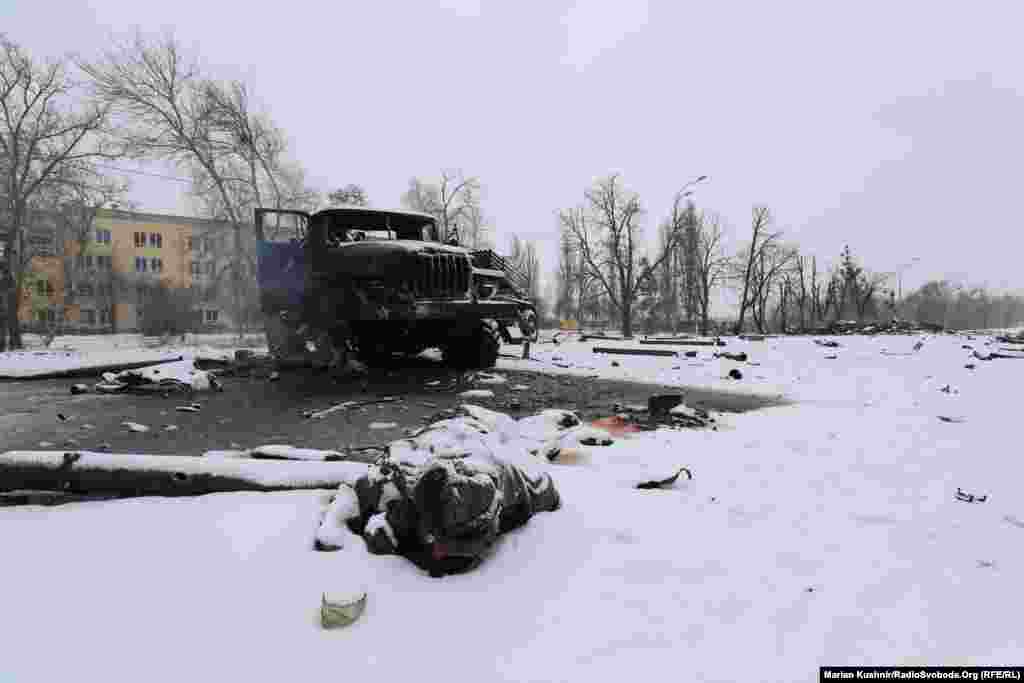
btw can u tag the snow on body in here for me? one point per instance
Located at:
(825, 532)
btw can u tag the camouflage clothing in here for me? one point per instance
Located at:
(445, 513)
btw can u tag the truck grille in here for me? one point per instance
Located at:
(441, 276)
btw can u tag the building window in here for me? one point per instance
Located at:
(104, 316)
(88, 261)
(88, 316)
(156, 265)
(140, 264)
(211, 316)
(44, 288)
(210, 268)
(140, 240)
(188, 243)
(194, 267)
(85, 290)
(104, 262)
(156, 240)
(103, 236)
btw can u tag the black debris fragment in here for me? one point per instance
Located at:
(969, 497)
(662, 483)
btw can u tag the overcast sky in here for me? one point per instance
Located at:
(892, 126)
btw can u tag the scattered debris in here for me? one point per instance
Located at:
(830, 343)
(336, 613)
(970, 366)
(615, 363)
(659, 405)
(832, 357)
(690, 354)
(521, 387)
(274, 376)
(986, 564)
(87, 426)
(477, 393)
(64, 418)
(616, 425)
(956, 420)
(284, 452)
(949, 390)
(171, 428)
(735, 374)
(634, 352)
(182, 375)
(346, 405)
(135, 427)
(741, 356)
(193, 408)
(688, 341)
(665, 483)
(488, 378)
(383, 425)
(46, 444)
(79, 389)
(969, 497)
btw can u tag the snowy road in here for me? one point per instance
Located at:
(252, 411)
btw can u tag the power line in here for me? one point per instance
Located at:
(146, 173)
(135, 172)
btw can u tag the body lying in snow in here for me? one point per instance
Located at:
(441, 506)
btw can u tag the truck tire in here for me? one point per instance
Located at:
(529, 325)
(282, 342)
(478, 351)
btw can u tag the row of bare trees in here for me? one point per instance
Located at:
(606, 270)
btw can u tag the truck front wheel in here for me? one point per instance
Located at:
(478, 351)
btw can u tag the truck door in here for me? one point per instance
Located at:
(281, 259)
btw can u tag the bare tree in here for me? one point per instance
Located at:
(50, 136)
(773, 265)
(75, 208)
(608, 236)
(349, 195)
(760, 240)
(523, 258)
(449, 200)
(235, 155)
(711, 262)
(476, 231)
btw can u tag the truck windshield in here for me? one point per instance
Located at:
(370, 226)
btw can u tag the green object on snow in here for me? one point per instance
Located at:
(338, 614)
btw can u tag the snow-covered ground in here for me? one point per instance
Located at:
(824, 532)
(69, 353)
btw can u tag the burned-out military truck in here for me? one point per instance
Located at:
(370, 284)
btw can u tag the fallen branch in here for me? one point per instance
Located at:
(85, 472)
(633, 352)
(684, 342)
(346, 405)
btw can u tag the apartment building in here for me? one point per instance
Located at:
(103, 277)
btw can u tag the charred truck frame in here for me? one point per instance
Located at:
(372, 283)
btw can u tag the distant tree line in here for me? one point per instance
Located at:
(609, 273)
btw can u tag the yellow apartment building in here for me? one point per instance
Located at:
(98, 280)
